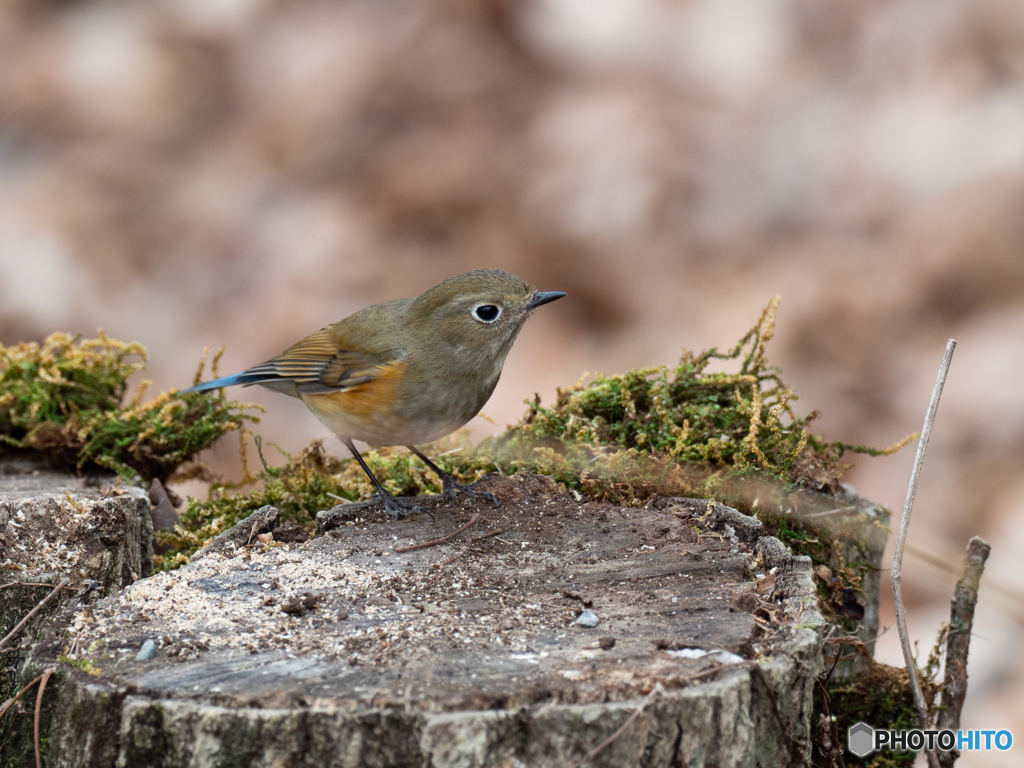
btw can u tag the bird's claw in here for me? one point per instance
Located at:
(398, 508)
(453, 490)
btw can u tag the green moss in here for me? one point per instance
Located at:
(64, 399)
(85, 665)
(308, 482)
(743, 420)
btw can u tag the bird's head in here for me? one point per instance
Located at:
(481, 312)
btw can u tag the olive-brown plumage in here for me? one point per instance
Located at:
(407, 371)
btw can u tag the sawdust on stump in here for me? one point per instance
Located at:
(468, 623)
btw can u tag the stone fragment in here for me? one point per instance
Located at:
(147, 652)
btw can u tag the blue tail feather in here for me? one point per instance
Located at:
(226, 381)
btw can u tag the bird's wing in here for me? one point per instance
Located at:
(314, 365)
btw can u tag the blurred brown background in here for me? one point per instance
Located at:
(246, 171)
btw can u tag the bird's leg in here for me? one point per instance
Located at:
(451, 487)
(393, 506)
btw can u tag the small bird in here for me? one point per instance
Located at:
(407, 371)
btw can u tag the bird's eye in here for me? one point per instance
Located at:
(486, 313)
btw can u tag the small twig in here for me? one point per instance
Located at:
(10, 732)
(836, 511)
(482, 536)
(622, 729)
(828, 732)
(435, 542)
(860, 648)
(30, 584)
(33, 612)
(901, 540)
(710, 671)
(454, 557)
(835, 659)
(961, 619)
(11, 701)
(39, 706)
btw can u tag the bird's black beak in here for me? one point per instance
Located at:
(543, 297)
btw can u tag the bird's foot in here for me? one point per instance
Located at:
(452, 490)
(398, 507)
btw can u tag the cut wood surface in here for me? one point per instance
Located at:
(340, 651)
(54, 525)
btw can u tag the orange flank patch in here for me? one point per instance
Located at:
(374, 398)
(364, 411)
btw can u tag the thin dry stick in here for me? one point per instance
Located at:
(454, 557)
(10, 732)
(39, 707)
(901, 540)
(958, 641)
(622, 729)
(11, 701)
(10, 584)
(482, 536)
(837, 511)
(828, 731)
(435, 542)
(33, 612)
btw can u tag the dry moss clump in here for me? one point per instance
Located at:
(64, 399)
(742, 420)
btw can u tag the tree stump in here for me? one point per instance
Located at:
(89, 529)
(481, 650)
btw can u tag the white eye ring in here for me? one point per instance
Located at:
(483, 313)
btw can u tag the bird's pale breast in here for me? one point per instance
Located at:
(378, 412)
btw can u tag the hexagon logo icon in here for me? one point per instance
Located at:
(861, 739)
